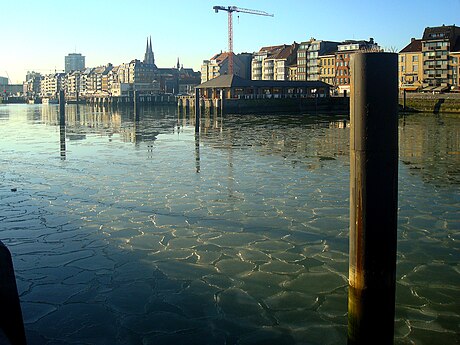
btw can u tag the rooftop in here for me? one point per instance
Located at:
(231, 81)
(414, 46)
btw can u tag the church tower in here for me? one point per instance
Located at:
(149, 58)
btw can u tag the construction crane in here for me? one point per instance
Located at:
(8, 77)
(230, 10)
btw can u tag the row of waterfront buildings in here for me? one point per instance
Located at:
(109, 80)
(431, 63)
(312, 60)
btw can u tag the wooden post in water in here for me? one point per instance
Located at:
(136, 105)
(404, 100)
(197, 110)
(373, 197)
(11, 322)
(61, 106)
(222, 100)
(62, 124)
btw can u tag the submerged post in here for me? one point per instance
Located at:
(197, 110)
(373, 197)
(11, 322)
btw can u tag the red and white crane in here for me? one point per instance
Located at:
(230, 10)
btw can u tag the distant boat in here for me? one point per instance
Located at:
(47, 100)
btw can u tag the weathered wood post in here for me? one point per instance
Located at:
(61, 106)
(222, 101)
(404, 100)
(136, 105)
(11, 322)
(373, 197)
(62, 124)
(197, 110)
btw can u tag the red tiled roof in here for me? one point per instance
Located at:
(414, 47)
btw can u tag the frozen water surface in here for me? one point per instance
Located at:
(141, 232)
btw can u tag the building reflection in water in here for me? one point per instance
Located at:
(429, 146)
(431, 141)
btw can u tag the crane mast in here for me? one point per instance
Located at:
(230, 10)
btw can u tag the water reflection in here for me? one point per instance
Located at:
(151, 234)
(430, 147)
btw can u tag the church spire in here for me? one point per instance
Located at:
(149, 58)
(178, 64)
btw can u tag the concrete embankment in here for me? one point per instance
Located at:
(288, 105)
(267, 105)
(437, 103)
(416, 102)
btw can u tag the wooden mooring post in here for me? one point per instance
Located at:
(11, 322)
(197, 110)
(62, 124)
(373, 197)
(61, 106)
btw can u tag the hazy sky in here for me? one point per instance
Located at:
(36, 35)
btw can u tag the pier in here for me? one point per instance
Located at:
(233, 94)
(158, 99)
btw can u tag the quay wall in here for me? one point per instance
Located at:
(268, 105)
(287, 105)
(437, 103)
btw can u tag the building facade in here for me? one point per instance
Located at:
(437, 45)
(327, 69)
(51, 84)
(32, 85)
(218, 65)
(430, 64)
(74, 62)
(342, 60)
(410, 66)
(276, 66)
(308, 61)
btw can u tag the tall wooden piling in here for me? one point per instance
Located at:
(136, 105)
(222, 101)
(11, 322)
(197, 110)
(61, 106)
(373, 197)
(62, 124)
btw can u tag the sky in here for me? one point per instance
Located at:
(37, 35)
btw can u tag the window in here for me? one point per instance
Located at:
(415, 58)
(402, 58)
(415, 68)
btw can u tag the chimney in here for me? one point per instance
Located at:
(412, 39)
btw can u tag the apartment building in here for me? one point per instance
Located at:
(327, 68)
(438, 43)
(308, 61)
(218, 65)
(431, 64)
(455, 68)
(276, 67)
(32, 85)
(342, 60)
(72, 84)
(258, 68)
(410, 66)
(74, 62)
(51, 84)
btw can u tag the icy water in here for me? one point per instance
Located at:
(138, 232)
